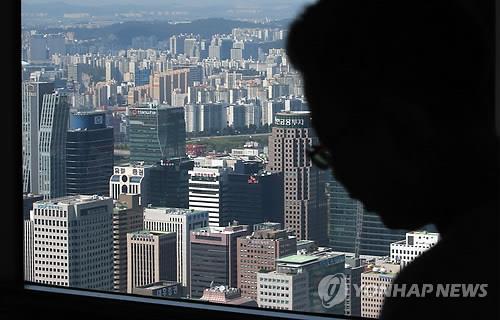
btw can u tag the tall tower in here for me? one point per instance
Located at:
(32, 97)
(52, 146)
(89, 154)
(304, 184)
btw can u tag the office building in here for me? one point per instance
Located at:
(304, 184)
(161, 289)
(416, 242)
(130, 179)
(151, 257)
(32, 102)
(52, 146)
(225, 295)
(127, 218)
(258, 252)
(207, 183)
(73, 242)
(182, 222)
(28, 247)
(28, 200)
(353, 229)
(294, 284)
(374, 283)
(251, 198)
(353, 270)
(156, 132)
(89, 154)
(214, 257)
(168, 183)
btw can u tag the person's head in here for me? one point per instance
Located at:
(401, 93)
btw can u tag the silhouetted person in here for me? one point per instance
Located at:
(402, 96)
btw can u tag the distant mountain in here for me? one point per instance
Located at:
(123, 33)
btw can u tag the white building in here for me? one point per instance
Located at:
(29, 268)
(206, 184)
(180, 221)
(73, 242)
(131, 179)
(416, 242)
(236, 116)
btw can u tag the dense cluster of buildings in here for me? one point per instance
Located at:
(255, 226)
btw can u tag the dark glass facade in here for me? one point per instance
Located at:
(156, 133)
(168, 183)
(253, 198)
(89, 154)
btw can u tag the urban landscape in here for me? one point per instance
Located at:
(175, 165)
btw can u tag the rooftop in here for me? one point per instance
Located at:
(72, 200)
(297, 259)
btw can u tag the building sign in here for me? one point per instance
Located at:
(289, 122)
(49, 206)
(331, 260)
(166, 292)
(98, 120)
(252, 180)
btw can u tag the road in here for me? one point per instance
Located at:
(230, 136)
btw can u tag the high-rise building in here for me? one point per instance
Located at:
(304, 184)
(416, 242)
(207, 183)
(130, 179)
(32, 98)
(89, 154)
(374, 283)
(168, 183)
(236, 116)
(353, 229)
(173, 45)
(73, 242)
(353, 270)
(151, 257)
(28, 200)
(127, 218)
(259, 252)
(28, 247)
(214, 257)
(162, 84)
(52, 146)
(252, 198)
(37, 50)
(182, 222)
(156, 132)
(294, 285)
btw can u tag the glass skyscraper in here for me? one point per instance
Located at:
(156, 132)
(89, 154)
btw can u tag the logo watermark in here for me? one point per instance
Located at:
(332, 290)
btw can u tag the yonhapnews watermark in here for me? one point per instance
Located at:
(332, 290)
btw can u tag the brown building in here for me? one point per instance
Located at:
(214, 257)
(151, 257)
(227, 295)
(259, 252)
(162, 84)
(127, 218)
(304, 184)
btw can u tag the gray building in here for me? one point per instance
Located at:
(52, 146)
(214, 257)
(32, 99)
(162, 289)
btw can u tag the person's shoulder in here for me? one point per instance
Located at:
(457, 278)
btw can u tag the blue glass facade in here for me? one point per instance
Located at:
(89, 154)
